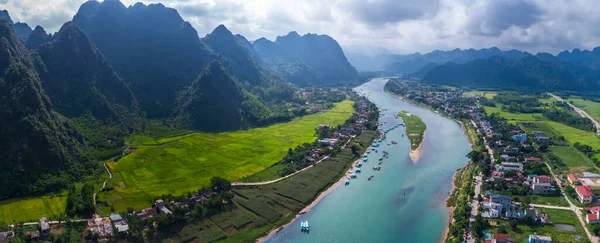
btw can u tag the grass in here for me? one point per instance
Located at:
(557, 216)
(477, 93)
(182, 164)
(576, 135)
(415, 128)
(573, 158)
(258, 209)
(591, 107)
(549, 200)
(267, 174)
(514, 117)
(31, 209)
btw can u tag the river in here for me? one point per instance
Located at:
(404, 202)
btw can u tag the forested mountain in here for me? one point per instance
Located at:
(37, 38)
(302, 58)
(150, 46)
(34, 139)
(541, 72)
(215, 102)
(21, 29)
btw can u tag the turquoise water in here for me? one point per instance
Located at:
(404, 202)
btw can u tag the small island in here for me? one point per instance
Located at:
(415, 128)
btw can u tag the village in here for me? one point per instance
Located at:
(207, 201)
(514, 170)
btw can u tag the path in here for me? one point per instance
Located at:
(572, 207)
(260, 183)
(52, 222)
(580, 111)
(103, 184)
(475, 205)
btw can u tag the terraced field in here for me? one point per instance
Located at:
(185, 163)
(31, 209)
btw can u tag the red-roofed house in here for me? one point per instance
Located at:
(593, 215)
(532, 159)
(584, 193)
(542, 185)
(542, 179)
(573, 179)
(502, 238)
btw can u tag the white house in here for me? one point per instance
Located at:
(539, 239)
(514, 166)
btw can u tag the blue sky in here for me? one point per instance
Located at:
(371, 26)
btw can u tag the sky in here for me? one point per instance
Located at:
(374, 26)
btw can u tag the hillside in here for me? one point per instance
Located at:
(321, 55)
(34, 139)
(21, 29)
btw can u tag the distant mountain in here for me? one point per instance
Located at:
(364, 62)
(541, 72)
(34, 139)
(21, 29)
(413, 62)
(37, 38)
(321, 53)
(150, 46)
(586, 58)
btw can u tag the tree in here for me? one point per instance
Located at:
(355, 150)
(513, 224)
(502, 229)
(219, 184)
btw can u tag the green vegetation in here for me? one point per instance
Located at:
(591, 107)
(181, 164)
(415, 128)
(557, 200)
(31, 209)
(460, 199)
(514, 117)
(557, 216)
(479, 93)
(576, 161)
(258, 209)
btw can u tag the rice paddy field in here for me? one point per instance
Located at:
(514, 117)
(415, 128)
(478, 93)
(573, 158)
(182, 164)
(258, 209)
(31, 209)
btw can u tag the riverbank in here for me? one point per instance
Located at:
(314, 203)
(415, 131)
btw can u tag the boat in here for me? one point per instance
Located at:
(358, 170)
(307, 227)
(359, 165)
(371, 177)
(347, 182)
(380, 162)
(394, 142)
(280, 228)
(352, 175)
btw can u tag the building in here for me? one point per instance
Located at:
(514, 166)
(506, 201)
(7, 236)
(572, 178)
(584, 194)
(542, 185)
(593, 215)
(101, 226)
(492, 210)
(119, 223)
(520, 137)
(501, 238)
(44, 225)
(323, 126)
(329, 141)
(539, 239)
(531, 159)
(542, 140)
(146, 213)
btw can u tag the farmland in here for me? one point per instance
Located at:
(31, 209)
(512, 117)
(556, 216)
(415, 128)
(575, 160)
(257, 209)
(592, 108)
(185, 163)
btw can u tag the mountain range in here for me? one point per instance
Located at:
(70, 98)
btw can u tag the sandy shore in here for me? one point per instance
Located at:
(415, 155)
(307, 209)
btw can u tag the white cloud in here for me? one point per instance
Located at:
(399, 26)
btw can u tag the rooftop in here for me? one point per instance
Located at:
(586, 191)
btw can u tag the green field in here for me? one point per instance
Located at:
(557, 200)
(514, 117)
(576, 135)
(592, 108)
(259, 209)
(415, 128)
(477, 93)
(31, 209)
(557, 216)
(574, 159)
(182, 164)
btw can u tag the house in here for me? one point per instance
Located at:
(115, 218)
(119, 223)
(329, 141)
(542, 185)
(33, 236)
(146, 213)
(539, 239)
(542, 140)
(572, 178)
(514, 212)
(492, 210)
(514, 166)
(322, 126)
(7, 236)
(506, 201)
(44, 225)
(502, 238)
(520, 137)
(531, 159)
(593, 215)
(584, 194)
(101, 226)
(538, 134)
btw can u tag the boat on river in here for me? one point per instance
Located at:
(371, 177)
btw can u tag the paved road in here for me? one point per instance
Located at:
(475, 205)
(580, 111)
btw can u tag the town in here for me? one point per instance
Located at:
(517, 185)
